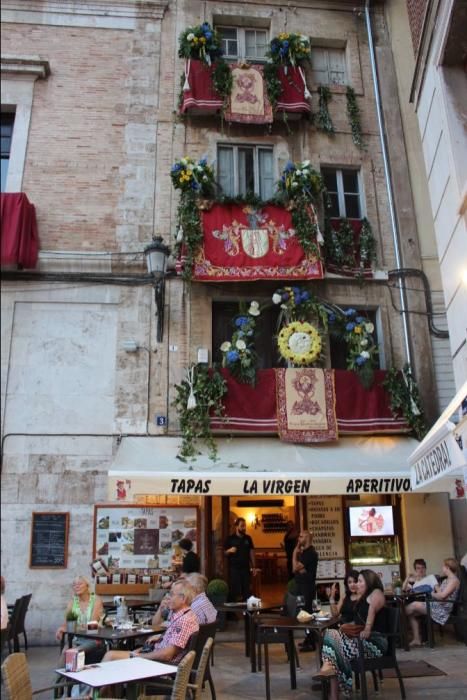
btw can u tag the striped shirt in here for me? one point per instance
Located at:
(182, 625)
(204, 609)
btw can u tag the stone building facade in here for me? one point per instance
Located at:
(94, 88)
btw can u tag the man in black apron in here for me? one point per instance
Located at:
(240, 550)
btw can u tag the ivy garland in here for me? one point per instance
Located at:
(322, 119)
(339, 244)
(222, 81)
(207, 386)
(273, 84)
(190, 233)
(367, 245)
(353, 114)
(405, 399)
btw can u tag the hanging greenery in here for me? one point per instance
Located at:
(339, 244)
(189, 231)
(199, 395)
(367, 245)
(322, 119)
(405, 399)
(353, 114)
(357, 332)
(222, 80)
(273, 84)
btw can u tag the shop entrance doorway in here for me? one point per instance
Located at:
(266, 520)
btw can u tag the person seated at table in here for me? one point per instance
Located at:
(201, 605)
(444, 597)
(190, 562)
(419, 566)
(345, 606)
(87, 606)
(169, 647)
(340, 646)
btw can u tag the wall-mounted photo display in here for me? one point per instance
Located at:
(135, 537)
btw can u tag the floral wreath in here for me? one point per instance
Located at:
(300, 343)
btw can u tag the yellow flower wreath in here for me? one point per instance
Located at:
(300, 343)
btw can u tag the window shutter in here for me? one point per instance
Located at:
(266, 176)
(225, 171)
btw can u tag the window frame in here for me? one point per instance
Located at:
(341, 192)
(241, 42)
(256, 148)
(4, 155)
(326, 49)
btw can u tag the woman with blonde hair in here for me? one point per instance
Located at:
(87, 606)
(444, 597)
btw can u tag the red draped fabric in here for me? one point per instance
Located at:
(367, 272)
(292, 98)
(200, 97)
(359, 411)
(19, 238)
(244, 243)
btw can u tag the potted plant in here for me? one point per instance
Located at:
(71, 620)
(217, 591)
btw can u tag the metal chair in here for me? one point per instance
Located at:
(361, 664)
(20, 629)
(15, 674)
(13, 623)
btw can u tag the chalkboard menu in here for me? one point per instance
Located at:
(49, 540)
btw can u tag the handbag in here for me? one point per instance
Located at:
(350, 629)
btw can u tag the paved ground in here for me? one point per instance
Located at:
(233, 678)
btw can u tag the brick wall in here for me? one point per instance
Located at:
(417, 11)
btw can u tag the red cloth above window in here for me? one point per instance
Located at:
(19, 238)
(359, 411)
(292, 98)
(199, 95)
(242, 242)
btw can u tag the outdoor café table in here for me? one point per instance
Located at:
(113, 672)
(401, 600)
(116, 637)
(248, 626)
(291, 624)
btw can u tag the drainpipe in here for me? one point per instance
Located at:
(387, 176)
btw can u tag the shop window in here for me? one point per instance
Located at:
(338, 347)
(7, 122)
(265, 344)
(344, 191)
(239, 43)
(243, 170)
(328, 66)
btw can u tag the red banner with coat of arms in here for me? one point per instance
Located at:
(242, 242)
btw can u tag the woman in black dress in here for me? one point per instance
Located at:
(345, 606)
(289, 544)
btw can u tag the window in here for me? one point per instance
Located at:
(265, 344)
(7, 122)
(338, 347)
(245, 169)
(328, 66)
(344, 192)
(237, 42)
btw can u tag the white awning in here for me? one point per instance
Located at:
(443, 451)
(262, 466)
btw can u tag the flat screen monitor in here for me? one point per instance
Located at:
(371, 521)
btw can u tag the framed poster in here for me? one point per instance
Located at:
(49, 540)
(143, 537)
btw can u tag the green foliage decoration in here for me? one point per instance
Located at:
(239, 354)
(405, 399)
(273, 84)
(353, 114)
(322, 119)
(207, 387)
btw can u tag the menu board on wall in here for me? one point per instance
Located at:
(147, 537)
(326, 521)
(49, 540)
